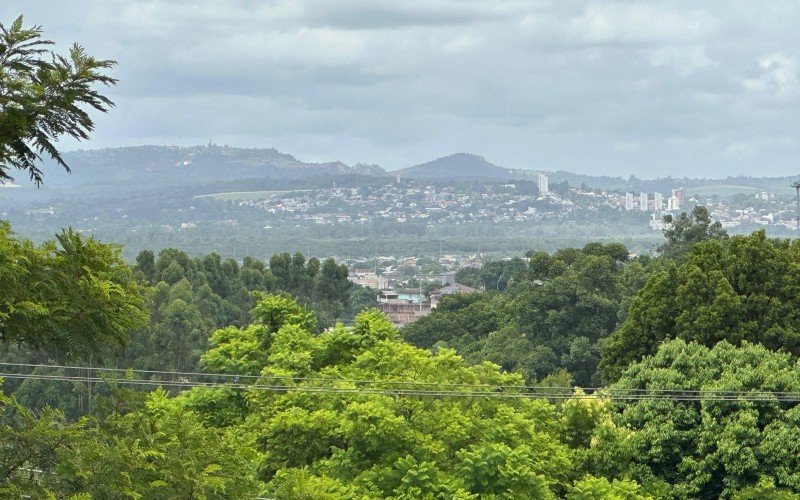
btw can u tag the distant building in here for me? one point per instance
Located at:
(437, 294)
(658, 202)
(643, 202)
(673, 203)
(445, 278)
(629, 201)
(543, 184)
(680, 195)
(656, 223)
(367, 277)
(401, 311)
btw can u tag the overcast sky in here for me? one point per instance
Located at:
(701, 89)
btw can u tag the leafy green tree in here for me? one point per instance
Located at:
(44, 97)
(742, 288)
(146, 263)
(556, 315)
(74, 299)
(591, 488)
(711, 448)
(275, 311)
(496, 275)
(469, 276)
(319, 444)
(159, 450)
(29, 456)
(460, 317)
(687, 229)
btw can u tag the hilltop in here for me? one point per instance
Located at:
(457, 166)
(154, 166)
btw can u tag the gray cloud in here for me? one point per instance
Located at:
(650, 88)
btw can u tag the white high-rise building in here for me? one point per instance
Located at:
(543, 187)
(680, 195)
(673, 203)
(628, 201)
(643, 202)
(658, 202)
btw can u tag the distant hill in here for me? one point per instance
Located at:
(457, 166)
(145, 166)
(114, 170)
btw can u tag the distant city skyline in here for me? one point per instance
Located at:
(651, 89)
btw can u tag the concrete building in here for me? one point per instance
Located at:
(400, 311)
(367, 277)
(658, 202)
(437, 294)
(629, 201)
(656, 223)
(643, 202)
(446, 278)
(544, 188)
(680, 195)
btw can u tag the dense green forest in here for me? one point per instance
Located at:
(545, 385)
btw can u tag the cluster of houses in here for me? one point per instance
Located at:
(412, 201)
(406, 305)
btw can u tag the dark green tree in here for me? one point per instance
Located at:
(688, 229)
(742, 288)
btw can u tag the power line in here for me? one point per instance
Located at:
(497, 392)
(286, 378)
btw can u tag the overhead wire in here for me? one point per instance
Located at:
(372, 381)
(391, 388)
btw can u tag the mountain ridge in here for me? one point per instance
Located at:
(148, 166)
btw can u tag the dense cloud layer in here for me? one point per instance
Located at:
(645, 88)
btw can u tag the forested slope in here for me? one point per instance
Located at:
(260, 398)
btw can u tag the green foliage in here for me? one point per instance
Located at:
(43, 97)
(193, 298)
(74, 300)
(742, 288)
(687, 229)
(164, 451)
(31, 445)
(236, 351)
(338, 420)
(765, 490)
(712, 448)
(384, 445)
(591, 488)
(275, 311)
(554, 316)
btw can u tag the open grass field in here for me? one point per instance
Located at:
(244, 195)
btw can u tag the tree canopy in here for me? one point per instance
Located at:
(73, 298)
(44, 96)
(553, 317)
(741, 289)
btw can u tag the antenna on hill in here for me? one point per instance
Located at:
(796, 186)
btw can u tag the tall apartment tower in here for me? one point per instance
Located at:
(680, 195)
(543, 187)
(628, 201)
(643, 202)
(658, 202)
